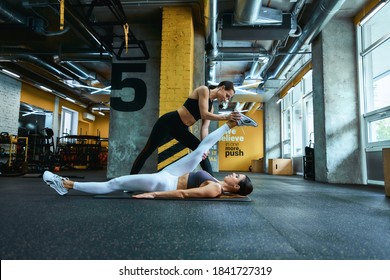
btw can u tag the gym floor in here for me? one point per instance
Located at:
(287, 218)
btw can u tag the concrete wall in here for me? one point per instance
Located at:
(336, 104)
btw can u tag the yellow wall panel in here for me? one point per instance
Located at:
(36, 97)
(241, 145)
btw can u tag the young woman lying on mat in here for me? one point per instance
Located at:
(175, 181)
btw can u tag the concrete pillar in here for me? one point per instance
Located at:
(336, 104)
(137, 103)
(272, 130)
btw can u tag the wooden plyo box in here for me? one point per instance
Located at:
(280, 166)
(257, 166)
(386, 169)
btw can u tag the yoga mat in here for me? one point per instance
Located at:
(125, 195)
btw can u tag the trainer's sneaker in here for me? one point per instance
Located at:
(246, 121)
(55, 182)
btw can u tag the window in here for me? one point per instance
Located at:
(374, 79)
(309, 120)
(297, 118)
(286, 133)
(380, 130)
(69, 121)
(374, 28)
(376, 65)
(374, 47)
(297, 123)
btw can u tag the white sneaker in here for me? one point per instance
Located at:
(55, 182)
(246, 121)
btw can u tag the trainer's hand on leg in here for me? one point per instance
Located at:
(205, 155)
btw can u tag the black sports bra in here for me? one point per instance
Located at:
(195, 179)
(192, 106)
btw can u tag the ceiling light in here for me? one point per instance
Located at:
(46, 89)
(101, 113)
(106, 89)
(34, 112)
(100, 109)
(10, 73)
(238, 90)
(212, 83)
(70, 99)
(249, 85)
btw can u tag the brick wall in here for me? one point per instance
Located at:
(177, 47)
(9, 104)
(176, 71)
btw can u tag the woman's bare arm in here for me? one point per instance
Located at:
(211, 190)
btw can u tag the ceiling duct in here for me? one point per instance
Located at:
(246, 12)
(321, 15)
(232, 31)
(251, 21)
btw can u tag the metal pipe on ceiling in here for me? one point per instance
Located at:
(9, 57)
(259, 51)
(84, 56)
(321, 15)
(69, 71)
(74, 71)
(237, 56)
(257, 69)
(281, 44)
(79, 71)
(90, 31)
(35, 79)
(246, 12)
(198, 4)
(9, 15)
(211, 36)
(70, 55)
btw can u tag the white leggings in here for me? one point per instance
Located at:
(164, 180)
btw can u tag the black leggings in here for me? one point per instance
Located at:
(167, 125)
